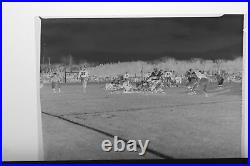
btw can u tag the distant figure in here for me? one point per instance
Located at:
(202, 82)
(83, 76)
(155, 75)
(126, 83)
(160, 74)
(155, 79)
(189, 75)
(147, 75)
(200, 74)
(126, 77)
(220, 80)
(41, 81)
(55, 82)
(168, 78)
(178, 80)
(41, 84)
(192, 79)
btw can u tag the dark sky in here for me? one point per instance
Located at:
(131, 39)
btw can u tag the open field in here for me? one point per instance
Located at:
(178, 125)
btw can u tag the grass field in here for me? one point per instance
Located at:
(178, 125)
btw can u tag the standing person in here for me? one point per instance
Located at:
(192, 80)
(188, 77)
(219, 79)
(126, 77)
(154, 79)
(202, 82)
(55, 82)
(83, 76)
(59, 80)
(190, 74)
(168, 77)
(126, 83)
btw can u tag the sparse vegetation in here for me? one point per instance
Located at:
(141, 67)
(112, 69)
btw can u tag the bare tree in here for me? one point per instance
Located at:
(218, 63)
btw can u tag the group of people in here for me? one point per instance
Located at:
(195, 78)
(152, 81)
(56, 80)
(198, 78)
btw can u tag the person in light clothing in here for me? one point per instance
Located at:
(126, 77)
(83, 76)
(55, 82)
(126, 83)
(202, 82)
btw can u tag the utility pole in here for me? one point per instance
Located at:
(43, 47)
(43, 60)
(142, 72)
(70, 62)
(49, 64)
(43, 52)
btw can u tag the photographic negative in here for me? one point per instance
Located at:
(141, 88)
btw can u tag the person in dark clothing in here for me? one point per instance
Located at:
(220, 80)
(153, 75)
(189, 75)
(192, 79)
(159, 74)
